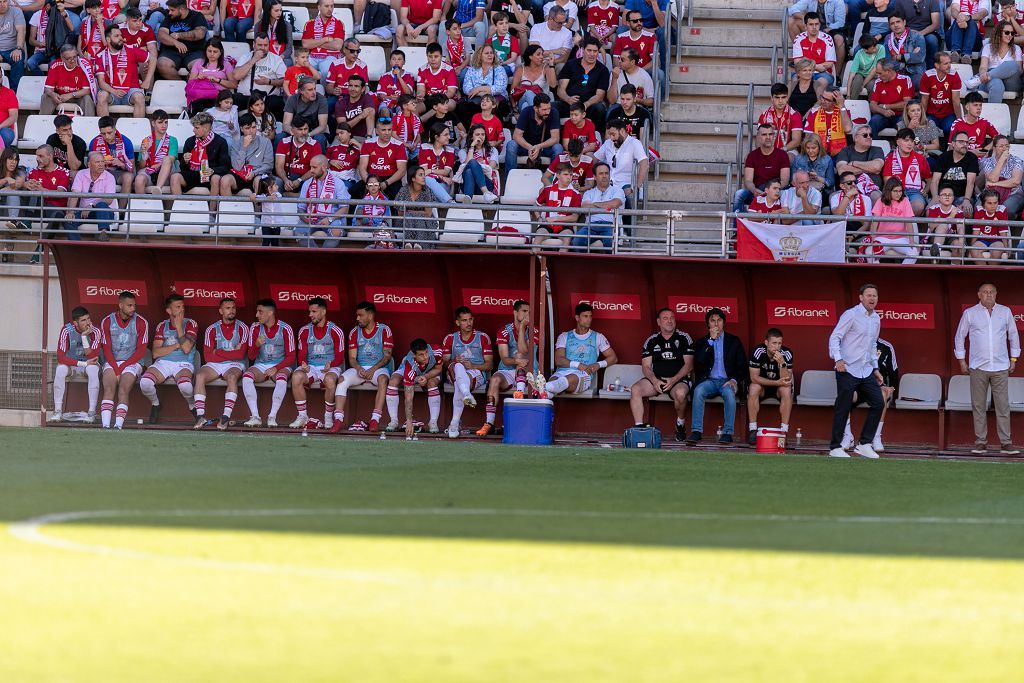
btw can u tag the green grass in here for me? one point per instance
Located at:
(437, 561)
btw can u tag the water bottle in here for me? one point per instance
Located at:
(305, 432)
(799, 437)
(618, 384)
(719, 432)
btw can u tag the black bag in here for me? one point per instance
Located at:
(376, 15)
(57, 33)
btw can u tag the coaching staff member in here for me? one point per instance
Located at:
(666, 361)
(852, 346)
(720, 367)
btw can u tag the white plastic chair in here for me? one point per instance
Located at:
(38, 127)
(958, 394)
(347, 20)
(145, 216)
(301, 16)
(30, 92)
(180, 130)
(169, 96)
(920, 391)
(998, 114)
(966, 72)
(235, 219)
(238, 51)
(28, 161)
(1016, 391)
(463, 226)
(376, 61)
(134, 129)
(415, 57)
(627, 376)
(189, 217)
(882, 145)
(520, 220)
(86, 127)
(522, 186)
(818, 388)
(860, 111)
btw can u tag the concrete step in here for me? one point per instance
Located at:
(695, 91)
(735, 38)
(697, 112)
(689, 52)
(725, 128)
(723, 74)
(698, 151)
(776, 5)
(766, 18)
(713, 209)
(669, 169)
(672, 191)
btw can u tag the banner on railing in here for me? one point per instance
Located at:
(819, 243)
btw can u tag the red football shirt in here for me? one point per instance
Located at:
(896, 90)
(935, 211)
(818, 51)
(581, 172)
(383, 158)
(421, 11)
(989, 231)
(644, 46)
(604, 18)
(554, 196)
(940, 93)
(977, 133)
(64, 81)
(121, 70)
(242, 9)
(585, 133)
(141, 39)
(339, 72)
(784, 123)
(51, 180)
(761, 205)
(438, 82)
(913, 170)
(388, 90)
(495, 131)
(297, 157)
(346, 155)
(317, 29)
(430, 160)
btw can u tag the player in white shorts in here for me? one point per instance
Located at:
(78, 354)
(125, 338)
(370, 349)
(272, 354)
(468, 355)
(514, 361)
(174, 355)
(421, 367)
(579, 354)
(321, 359)
(225, 348)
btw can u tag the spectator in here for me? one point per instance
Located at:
(957, 169)
(966, 18)
(181, 36)
(137, 35)
(911, 167)
(571, 13)
(888, 98)
(208, 76)
(907, 48)
(506, 46)
(157, 153)
(924, 17)
(833, 15)
(356, 107)
(927, 135)
(803, 92)
(980, 132)
(596, 234)
(533, 77)
(770, 202)
(417, 18)
(261, 71)
(559, 195)
(1001, 172)
(68, 149)
(69, 82)
(454, 49)
(436, 77)
(636, 118)
(580, 165)
(91, 36)
(208, 9)
(278, 29)
(945, 209)
(294, 155)
(878, 19)
(341, 70)
(637, 38)
(204, 161)
(299, 70)
(490, 122)
(1000, 64)
(830, 120)
(991, 330)
(864, 159)
(373, 213)
(257, 106)
(816, 164)
(118, 154)
(585, 80)
(720, 366)
(408, 127)
(579, 127)
(536, 133)
(323, 36)
(153, 11)
(801, 198)
(478, 172)
(12, 179)
(819, 49)
(343, 156)
(310, 106)
(269, 210)
(654, 15)
(9, 109)
(786, 121)
(437, 160)
(238, 17)
(394, 83)
(49, 179)
(439, 111)
(383, 157)
(471, 16)
(484, 77)
(93, 180)
(319, 218)
(251, 158)
(552, 35)
(12, 41)
(940, 93)
(895, 237)
(763, 163)
(628, 72)
(603, 17)
(849, 201)
(38, 25)
(118, 75)
(627, 156)
(988, 245)
(418, 225)
(865, 69)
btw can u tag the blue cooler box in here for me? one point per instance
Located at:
(528, 421)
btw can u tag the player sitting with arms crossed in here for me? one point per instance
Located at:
(272, 353)
(125, 336)
(579, 354)
(78, 354)
(771, 376)
(225, 347)
(174, 355)
(370, 349)
(321, 359)
(421, 367)
(467, 352)
(666, 361)
(514, 353)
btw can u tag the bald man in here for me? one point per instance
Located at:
(318, 217)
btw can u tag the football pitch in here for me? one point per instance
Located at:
(156, 557)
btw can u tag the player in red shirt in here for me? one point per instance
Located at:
(911, 167)
(321, 356)
(980, 132)
(323, 36)
(225, 349)
(293, 154)
(383, 157)
(417, 18)
(580, 165)
(946, 210)
(563, 195)
(889, 98)
(787, 121)
(602, 20)
(638, 38)
(770, 202)
(69, 80)
(989, 241)
(395, 82)
(125, 338)
(436, 77)
(579, 127)
(467, 352)
(819, 48)
(940, 93)
(117, 72)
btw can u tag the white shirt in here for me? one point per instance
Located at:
(621, 159)
(270, 67)
(854, 341)
(795, 205)
(551, 40)
(988, 334)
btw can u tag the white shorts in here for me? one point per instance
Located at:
(267, 367)
(584, 383)
(476, 377)
(222, 367)
(171, 368)
(76, 371)
(509, 375)
(355, 380)
(133, 369)
(316, 375)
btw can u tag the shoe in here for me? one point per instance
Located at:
(486, 429)
(223, 423)
(432, 428)
(848, 441)
(328, 422)
(752, 437)
(877, 445)
(195, 415)
(954, 57)
(469, 401)
(254, 421)
(391, 426)
(299, 422)
(838, 453)
(462, 198)
(200, 423)
(973, 83)
(517, 394)
(490, 197)
(725, 438)
(453, 432)
(90, 417)
(336, 427)
(865, 450)
(154, 414)
(933, 250)
(119, 427)
(680, 432)
(1008, 449)
(979, 449)
(57, 416)
(965, 59)
(373, 426)
(694, 438)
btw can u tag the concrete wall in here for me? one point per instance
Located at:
(21, 308)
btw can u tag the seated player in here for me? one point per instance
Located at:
(174, 355)
(579, 354)
(666, 361)
(78, 354)
(225, 347)
(272, 354)
(771, 376)
(125, 336)
(890, 372)
(321, 359)
(370, 349)
(514, 361)
(467, 353)
(421, 367)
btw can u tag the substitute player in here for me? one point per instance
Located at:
(272, 353)
(421, 367)
(125, 336)
(321, 359)
(225, 348)
(771, 376)
(666, 362)
(579, 354)
(514, 361)
(467, 352)
(174, 355)
(370, 349)
(78, 354)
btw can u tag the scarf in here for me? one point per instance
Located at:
(84, 65)
(199, 153)
(107, 62)
(92, 34)
(865, 184)
(315, 191)
(829, 127)
(408, 127)
(856, 207)
(455, 51)
(373, 210)
(44, 20)
(912, 177)
(320, 29)
(275, 47)
(780, 122)
(893, 46)
(156, 155)
(118, 150)
(240, 8)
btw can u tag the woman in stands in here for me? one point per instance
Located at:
(479, 170)
(484, 77)
(12, 177)
(926, 134)
(1002, 172)
(1000, 64)
(895, 238)
(802, 96)
(258, 108)
(418, 225)
(818, 165)
(208, 77)
(273, 23)
(532, 78)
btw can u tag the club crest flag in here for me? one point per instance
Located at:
(822, 243)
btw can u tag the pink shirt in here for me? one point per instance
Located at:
(889, 229)
(105, 184)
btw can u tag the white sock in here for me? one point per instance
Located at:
(457, 404)
(848, 430)
(249, 391)
(122, 412)
(878, 432)
(556, 386)
(92, 374)
(200, 400)
(148, 388)
(329, 413)
(60, 379)
(391, 401)
(280, 386)
(752, 426)
(106, 408)
(680, 421)
(188, 391)
(434, 404)
(229, 402)
(462, 381)
(784, 426)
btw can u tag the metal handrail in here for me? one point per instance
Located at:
(750, 113)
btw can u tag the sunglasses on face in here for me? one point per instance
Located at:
(355, 52)
(848, 182)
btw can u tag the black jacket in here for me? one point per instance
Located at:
(735, 359)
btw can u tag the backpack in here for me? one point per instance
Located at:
(377, 15)
(57, 33)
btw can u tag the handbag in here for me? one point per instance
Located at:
(642, 437)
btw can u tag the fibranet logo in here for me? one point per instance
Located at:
(203, 293)
(801, 312)
(693, 308)
(609, 306)
(492, 300)
(402, 299)
(909, 316)
(296, 297)
(97, 291)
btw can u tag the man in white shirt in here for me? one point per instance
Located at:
(261, 70)
(990, 327)
(621, 151)
(852, 345)
(553, 36)
(800, 197)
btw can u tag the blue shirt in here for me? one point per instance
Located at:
(647, 11)
(466, 9)
(718, 368)
(596, 195)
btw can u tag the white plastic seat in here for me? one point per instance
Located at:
(1019, 132)
(463, 226)
(28, 161)
(522, 186)
(998, 114)
(920, 391)
(966, 72)
(86, 127)
(145, 216)
(189, 217)
(860, 111)
(236, 50)
(1017, 150)
(882, 145)
(958, 394)
(520, 220)
(376, 61)
(415, 57)
(347, 20)
(38, 127)
(627, 376)
(1016, 391)
(817, 388)
(169, 96)
(180, 130)
(235, 219)
(301, 16)
(134, 129)
(30, 92)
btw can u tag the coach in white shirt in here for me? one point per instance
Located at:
(989, 327)
(853, 346)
